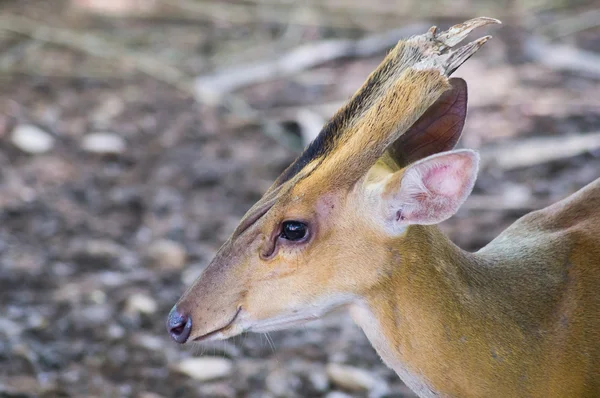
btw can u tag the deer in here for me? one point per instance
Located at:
(352, 224)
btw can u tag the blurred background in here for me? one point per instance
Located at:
(134, 134)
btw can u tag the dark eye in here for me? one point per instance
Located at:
(293, 230)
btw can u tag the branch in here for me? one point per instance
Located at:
(564, 58)
(303, 57)
(534, 151)
(97, 47)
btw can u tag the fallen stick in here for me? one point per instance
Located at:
(563, 57)
(301, 58)
(534, 151)
(98, 47)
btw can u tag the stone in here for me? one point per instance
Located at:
(94, 314)
(149, 341)
(103, 142)
(139, 303)
(115, 332)
(350, 378)
(282, 383)
(32, 139)
(167, 255)
(217, 390)
(318, 381)
(10, 328)
(100, 254)
(148, 394)
(205, 368)
(337, 394)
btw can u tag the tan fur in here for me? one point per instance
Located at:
(380, 126)
(520, 318)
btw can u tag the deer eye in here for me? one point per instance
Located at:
(293, 230)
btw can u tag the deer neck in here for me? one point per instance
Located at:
(441, 315)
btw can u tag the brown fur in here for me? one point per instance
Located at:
(520, 318)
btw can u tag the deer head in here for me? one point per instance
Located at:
(318, 238)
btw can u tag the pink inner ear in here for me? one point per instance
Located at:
(446, 179)
(433, 189)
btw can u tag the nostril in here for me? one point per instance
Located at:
(179, 326)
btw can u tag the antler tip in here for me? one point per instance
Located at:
(457, 33)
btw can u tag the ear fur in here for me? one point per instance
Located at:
(430, 190)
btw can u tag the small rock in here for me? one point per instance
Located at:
(115, 332)
(350, 378)
(9, 328)
(167, 255)
(108, 109)
(318, 381)
(281, 383)
(97, 297)
(18, 386)
(32, 139)
(97, 253)
(337, 394)
(205, 368)
(147, 394)
(103, 143)
(140, 303)
(94, 314)
(217, 390)
(149, 341)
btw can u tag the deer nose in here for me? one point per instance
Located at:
(179, 326)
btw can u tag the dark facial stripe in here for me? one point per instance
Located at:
(339, 125)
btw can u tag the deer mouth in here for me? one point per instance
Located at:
(209, 335)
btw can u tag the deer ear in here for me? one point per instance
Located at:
(431, 190)
(437, 130)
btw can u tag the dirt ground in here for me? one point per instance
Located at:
(97, 245)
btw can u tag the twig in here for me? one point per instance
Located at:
(97, 47)
(563, 57)
(100, 48)
(499, 203)
(396, 9)
(573, 24)
(298, 59)
(534, 151)
(279, 12)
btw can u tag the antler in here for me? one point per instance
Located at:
(408, 81)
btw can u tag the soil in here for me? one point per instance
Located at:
(96, 248)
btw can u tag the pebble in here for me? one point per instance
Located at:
(147, 394)
(350, 378)
(103, 143)
(9, 328)
(97, 249)
(139, 303)
(279, 382)
(32, 139)
(337, 394)
(167, 255)
(94, 314)
(217, 390)
(206, 368)
(149, 341)
(108, 109)
(318, 381)
(115, 332)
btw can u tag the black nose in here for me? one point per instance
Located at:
(179, 326)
